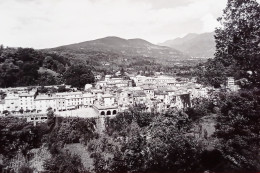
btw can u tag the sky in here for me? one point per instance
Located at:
(51, 23)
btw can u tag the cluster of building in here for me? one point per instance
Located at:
(108, 96)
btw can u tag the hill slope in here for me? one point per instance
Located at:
(124, 47)
(195, 45)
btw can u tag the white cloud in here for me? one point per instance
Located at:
(50, 23)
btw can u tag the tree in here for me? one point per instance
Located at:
(20, 67)
(213, 73)
(1, 49)
(64, 162)
(238, 129)
(79, 76)
(157, 147)
(51, 118)
(62, 88)
(46, 79)
(237, 41)
(25, 169)
(8, 73)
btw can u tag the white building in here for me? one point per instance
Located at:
(108, 100)
(139, 97)
(12, 103)
(88, 99)
(87, 87)
(2, 104)
(27, 101)
(43, 102)
(149, 91)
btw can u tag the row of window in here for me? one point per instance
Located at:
(42, 118)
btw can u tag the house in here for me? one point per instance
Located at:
(12, 103)
(180, 101)
(149, 91)
(107, 77)
(106, 110)
(108, 100)
(139, 97)
(87, 87)
(230, 84)
(43, 102)
(27, 101)
(61, 103)
(161, 96)
(97, 93)
(125, 99)
(88, 99)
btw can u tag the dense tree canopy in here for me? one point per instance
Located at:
(239, 38)
(64, 162)
(238, 128)
(26, 66)
(79, 76)
(237, 45)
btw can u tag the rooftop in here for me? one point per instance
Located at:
(101, 107)
(107, 96)
(160, 93)
(139, 94)
(68, 93)
(88, 95)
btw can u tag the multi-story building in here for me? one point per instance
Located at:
(139, 97)
(149, 91)
(108, 100)
(44, 102)
(12, 103)
(106, 106)
(88, 99)
(125, 99)
(230, 84)
(27, 101)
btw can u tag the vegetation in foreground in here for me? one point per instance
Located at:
(136, 141)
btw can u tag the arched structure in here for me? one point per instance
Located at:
(106, 110)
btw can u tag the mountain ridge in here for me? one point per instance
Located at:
(195, 45)
(124, 47)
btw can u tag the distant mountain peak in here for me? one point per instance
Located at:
(196, 45)
(124, 47)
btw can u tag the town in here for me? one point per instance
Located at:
(108, 96)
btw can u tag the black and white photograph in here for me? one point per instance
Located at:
(129, 86)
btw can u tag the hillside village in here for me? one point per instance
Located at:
(107, 97)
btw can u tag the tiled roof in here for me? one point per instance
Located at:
(160, 93)
(139, 94)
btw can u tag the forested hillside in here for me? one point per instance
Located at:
(126, 48)
(29, 67)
